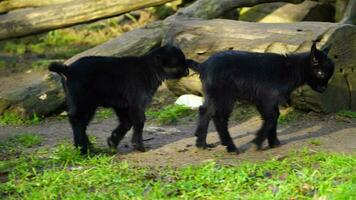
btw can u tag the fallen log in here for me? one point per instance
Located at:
(9, 5)
(28, 21)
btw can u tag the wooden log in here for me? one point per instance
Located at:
(9, 5)
(350, 13)
(35, 20)
(199, 39)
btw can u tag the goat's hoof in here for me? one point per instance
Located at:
(111, 143)
(200, 144)
(232, 149)
(276, 144)
(258, 144)
(204, 145)
(84, 151)
(140, 148)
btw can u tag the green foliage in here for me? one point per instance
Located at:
(12, 118)
(64, 174)
(170, 114)
(347, 113)
(14, 47)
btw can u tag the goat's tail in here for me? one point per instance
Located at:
(193, 65)
(59, 68)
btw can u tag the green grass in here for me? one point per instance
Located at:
(61, 173)
(15, 143)
(347, 113)
(170, 114)
(11, 118)
(104, 113)
(40, 64)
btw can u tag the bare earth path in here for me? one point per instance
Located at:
(174, 145)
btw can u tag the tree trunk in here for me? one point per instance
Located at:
(35, 20)
(199, 39)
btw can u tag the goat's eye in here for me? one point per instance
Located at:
(320, 74)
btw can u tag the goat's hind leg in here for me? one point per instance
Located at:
(137, 117)
(221, 124)
(202, 127)
(79, 121)
(124, 126)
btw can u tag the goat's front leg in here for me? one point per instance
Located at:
(138, 119)
(119, 133)
(268, 130)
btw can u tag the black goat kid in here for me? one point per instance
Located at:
(125, 84)
(264, 79)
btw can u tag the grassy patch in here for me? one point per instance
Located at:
(61, 173)
(11, 118)
(40, 64)
(104, 113)
(289, 115)
(347, 113)
(16, 143)
(170, 114)
(243, 111)
(315, 142)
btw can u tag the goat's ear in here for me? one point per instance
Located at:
(313, 53)
(327, 49)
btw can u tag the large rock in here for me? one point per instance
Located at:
(199, 39)
(30, 93)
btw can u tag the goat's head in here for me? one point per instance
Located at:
(321, 68)
(172, 60)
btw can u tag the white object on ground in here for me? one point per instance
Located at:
(189, 100)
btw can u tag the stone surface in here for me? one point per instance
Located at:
(189, 100)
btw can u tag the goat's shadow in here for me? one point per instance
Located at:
(157, 140)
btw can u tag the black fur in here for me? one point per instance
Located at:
(125, 84)
(264, 79)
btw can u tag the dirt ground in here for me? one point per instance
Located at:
(174, 145)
